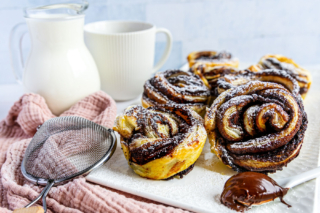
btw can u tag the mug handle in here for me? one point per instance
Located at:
(167, 50)
(15, 44)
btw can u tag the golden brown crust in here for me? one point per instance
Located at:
(161, 141)
(258, 126)
(302, 76)
(212, 58)
(175, 86)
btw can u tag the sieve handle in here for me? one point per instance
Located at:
(46, 191)
(38, 209)
(33, 209)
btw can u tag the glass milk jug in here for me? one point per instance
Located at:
(59, 66)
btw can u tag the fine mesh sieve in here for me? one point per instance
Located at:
(64, 148)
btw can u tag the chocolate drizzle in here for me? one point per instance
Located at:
(250, 188)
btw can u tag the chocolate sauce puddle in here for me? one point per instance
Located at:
(250, 188)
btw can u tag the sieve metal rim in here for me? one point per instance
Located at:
(105, 158)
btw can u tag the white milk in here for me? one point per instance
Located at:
(59, 67)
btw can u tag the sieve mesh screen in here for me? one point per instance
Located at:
(65, 146)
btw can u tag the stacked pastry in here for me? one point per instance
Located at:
(257, 122)
(210, 75)
(212, 69)
(210, 66)
(302, 76)
(212, 59)
(255, 118)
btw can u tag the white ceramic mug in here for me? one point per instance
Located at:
(124, 54)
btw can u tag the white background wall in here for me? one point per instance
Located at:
(247, 28)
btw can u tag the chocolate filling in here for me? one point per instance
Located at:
(250, 188)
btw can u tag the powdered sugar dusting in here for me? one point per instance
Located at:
(200, 190)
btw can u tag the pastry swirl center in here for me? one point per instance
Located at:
(259, 122)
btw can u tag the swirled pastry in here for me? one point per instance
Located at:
(269, 75)
(280, 62)
(212, 58)
(210, 75)
(176, 86)
(161, 142)
(258, 127)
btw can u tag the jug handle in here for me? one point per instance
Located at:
(15, 46)
(167, 51)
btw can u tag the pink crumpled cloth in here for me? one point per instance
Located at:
(76, 196)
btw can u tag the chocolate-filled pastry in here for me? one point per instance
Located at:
(258, 127)
(270, 75)
(161, 142)
(302, 76)
(210, 75)
(176, 86)
(212, 58)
